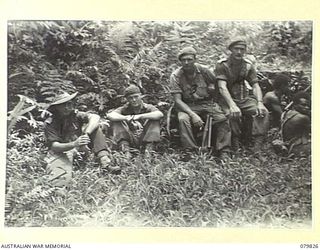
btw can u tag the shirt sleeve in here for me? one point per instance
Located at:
(174, 83)
(221, 72)
(209, 75)
(51, 134)
(151, 108)
(252, 76)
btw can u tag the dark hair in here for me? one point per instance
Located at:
(281, 80)
(296, 98)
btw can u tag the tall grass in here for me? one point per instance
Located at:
(163, 190)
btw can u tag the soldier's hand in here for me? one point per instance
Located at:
(137, 117)
(196, 96)
(82, 140)
(261, 110)
(137, 125)
(235, 112)
(196, 120)
(128, 118)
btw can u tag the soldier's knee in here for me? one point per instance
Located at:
(59, 171)
(251, 111)
(183, 117)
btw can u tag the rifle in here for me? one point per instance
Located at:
(207, 132)
(210, 131)
(205, 136)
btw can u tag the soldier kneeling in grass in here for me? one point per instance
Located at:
(68, 131)
(135, 124)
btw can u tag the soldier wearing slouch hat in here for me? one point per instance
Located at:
(69, 131)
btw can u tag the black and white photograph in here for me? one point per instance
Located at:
(203, 124)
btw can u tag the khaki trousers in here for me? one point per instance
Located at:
(248, 107)
(60, 165)
(221, 128)
(150, 133)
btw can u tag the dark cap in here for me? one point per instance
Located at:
(187, 51)
(132, 89)
(238, 41)
(63, 98)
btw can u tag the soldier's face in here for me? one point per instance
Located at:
(134, 100)
(187, 61)
(65, 109)
(238, 51)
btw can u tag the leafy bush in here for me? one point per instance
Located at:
(99, 59)
(102, 58)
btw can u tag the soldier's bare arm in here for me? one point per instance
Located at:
(261, 109)
(93, 123)
(235, 112)
(116, 117)
(154, 115)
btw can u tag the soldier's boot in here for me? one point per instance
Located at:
(148, 149)
(235, 143)
(224, 155)
(124, 147)
(106, 165)
(258, 144)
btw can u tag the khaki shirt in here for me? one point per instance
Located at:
(192, 89)
(235, 74)
(64, 130)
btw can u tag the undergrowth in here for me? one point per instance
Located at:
(99, 59)
(164, 190)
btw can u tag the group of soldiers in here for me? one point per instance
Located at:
(227, 101)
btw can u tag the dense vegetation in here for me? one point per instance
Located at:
(99, 59)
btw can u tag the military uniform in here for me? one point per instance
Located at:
(240, 78)
(56, 129)
(194, 92)
(124, 131)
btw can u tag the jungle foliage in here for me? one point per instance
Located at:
(99, 59)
